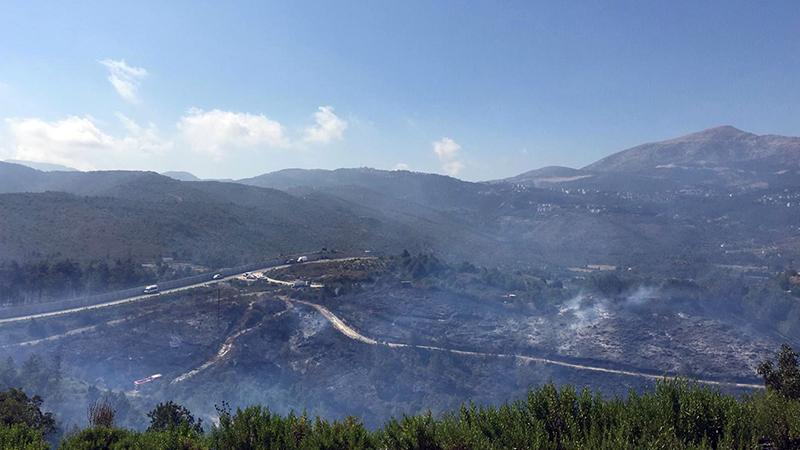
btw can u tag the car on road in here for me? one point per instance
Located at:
(302, 259)
(151, 289)
(216, 276)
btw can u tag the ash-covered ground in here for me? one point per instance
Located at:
(386, 337)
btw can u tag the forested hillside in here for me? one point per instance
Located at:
(212, 231)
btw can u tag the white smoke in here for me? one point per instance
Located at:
(642, 295)
(585, 310)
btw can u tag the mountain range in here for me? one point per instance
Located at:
(718, 158)
(721, 147)
(659, 202)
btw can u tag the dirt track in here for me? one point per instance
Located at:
(351, 333)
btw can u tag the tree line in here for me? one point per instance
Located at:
(48, 280)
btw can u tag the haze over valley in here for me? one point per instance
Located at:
(609, 276)
(399, 225)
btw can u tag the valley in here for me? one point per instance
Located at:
(280, 225)
(425, 291)
(387, 344)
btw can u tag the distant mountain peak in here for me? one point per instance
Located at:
(718, 148)
(723, 129)
(43, 166)
(722, 132)
(180, 175)
(546, 176)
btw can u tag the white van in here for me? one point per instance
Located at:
(152, 289)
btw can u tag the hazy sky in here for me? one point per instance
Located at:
(476, 89)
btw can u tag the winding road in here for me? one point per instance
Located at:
(351, 333)
(344, 329)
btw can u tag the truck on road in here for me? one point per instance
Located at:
(147, 379)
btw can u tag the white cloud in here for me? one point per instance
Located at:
(401, 166)
(216, 132)
(447, 150)
(78, 142)
(328, 126)
(143, 139)
(66, 141)
(124, 78)
(84, 142)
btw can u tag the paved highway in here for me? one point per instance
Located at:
(144, 297)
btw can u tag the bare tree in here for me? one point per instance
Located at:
(101, 414)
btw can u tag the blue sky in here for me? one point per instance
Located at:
(479, 90)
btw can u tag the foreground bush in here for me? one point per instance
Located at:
(102, 438)
(675, 415)
(16, 408)
(257, 428)
(21, 437)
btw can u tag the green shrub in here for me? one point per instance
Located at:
(97, 438)
(676, 414)
(17, 408)
(257, 428)
(170, 415)
(21, 437)
(101, 438)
